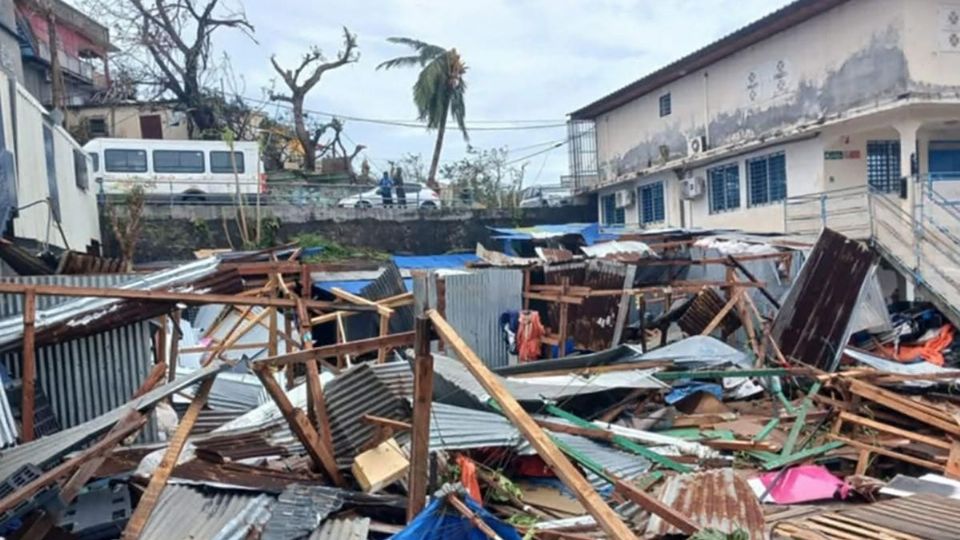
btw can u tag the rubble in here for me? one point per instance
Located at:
(690, 402)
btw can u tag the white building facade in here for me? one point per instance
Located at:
(819, 96)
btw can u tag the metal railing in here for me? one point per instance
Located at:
(298, 194)
(923, 240)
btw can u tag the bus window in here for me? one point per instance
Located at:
(220, 162)
(95, 158)
(117, 160)
(177, 161)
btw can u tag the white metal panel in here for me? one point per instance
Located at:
(474, 303)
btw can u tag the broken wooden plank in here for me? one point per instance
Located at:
(355, 347)
(29, 367)
(422, 403)
(158, 480)
(546, 449)
(654, 506)
(321, 455)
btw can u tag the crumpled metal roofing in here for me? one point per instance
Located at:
(188, 512)
(80, 311)
(45, 450)
(717, 499)
(700, 351)
(299, 510)
(353, 528)
(457, 428)
(621, 464)
(8, 425)
(459, 380)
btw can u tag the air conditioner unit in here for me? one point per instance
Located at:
(692, 188)
(696, 145)
(624, 198)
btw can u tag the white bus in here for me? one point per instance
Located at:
(185, 170)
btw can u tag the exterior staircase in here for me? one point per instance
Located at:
(922, 240)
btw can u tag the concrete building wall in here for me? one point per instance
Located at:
(850, 56)
(123, 121)
(10, 61)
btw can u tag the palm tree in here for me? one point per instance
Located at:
(438, 91)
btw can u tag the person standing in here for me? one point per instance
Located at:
(386, 184)
(398, 185)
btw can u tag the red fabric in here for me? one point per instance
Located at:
(529, 333)
(468, 476)
(931, 351)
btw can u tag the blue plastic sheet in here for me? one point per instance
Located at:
(681, 391)
(438, 521)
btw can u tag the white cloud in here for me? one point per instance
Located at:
(527, 59)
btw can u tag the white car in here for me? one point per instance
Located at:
(540, 196)
(416, 195)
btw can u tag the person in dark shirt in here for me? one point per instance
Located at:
(386, 184)
(398, 185)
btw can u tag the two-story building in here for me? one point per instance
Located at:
(818, 96)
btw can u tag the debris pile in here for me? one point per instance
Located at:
(575, 385)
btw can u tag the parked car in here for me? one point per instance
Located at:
(538, 196)
(417, 195)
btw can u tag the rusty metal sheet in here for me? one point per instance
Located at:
(717, 499)
(705, 306)
(594, 323)
(813, 324)
(927, 516)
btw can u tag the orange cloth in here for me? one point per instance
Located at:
(468, 477)
(529, 333)
(931, 351)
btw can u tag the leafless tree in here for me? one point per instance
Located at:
(335, 149)
(127, 223)
(313, 65)
(168, 44)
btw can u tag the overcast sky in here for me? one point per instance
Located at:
(527, 60)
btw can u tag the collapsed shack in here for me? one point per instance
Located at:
(682, 384)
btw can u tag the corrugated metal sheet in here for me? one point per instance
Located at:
(457, 428)
(593, 325)
(701, 311)
(351, 395)
(927, 516)
(12, 304)
(87, 377)
(45, 450)
(366, 325)
(8, 426)
(84, 311)
(355, 528)
(717, 499)
(620, 464)
(299, 511)
(188, 512)
(474, 303)
(813, 324)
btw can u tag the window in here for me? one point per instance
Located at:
(665, 105)
(95, 158)
(611, 214)
(883, 165)
(117, 160)
(97, 127)
(178, 161)
(220, 162)
(723, 188)
(80, 169)
(651, 203)
(767, 179)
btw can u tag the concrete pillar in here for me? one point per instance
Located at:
(908, 154)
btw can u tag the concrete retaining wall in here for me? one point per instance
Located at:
(174, 232)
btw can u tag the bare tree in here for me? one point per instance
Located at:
(127, 225)
(168, 45)
(312, 65)
(335, 150)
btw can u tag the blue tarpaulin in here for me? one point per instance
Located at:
(438, 521)
(432, 262)
(354, 286)
(590, 232)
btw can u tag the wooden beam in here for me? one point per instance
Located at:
(83, 474)
(32, 488)
(384, 332)
(273, 348)
(160, 349)
(174, 357)
(158, 480)
(388, 422)
(655, 506)
(422, 403)
(169, 297)
(399, 300)
(29, 366)
(356, 347)
(465, 511)
(546, 449)
(321, 455)
(360, 301)
(157, 374)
